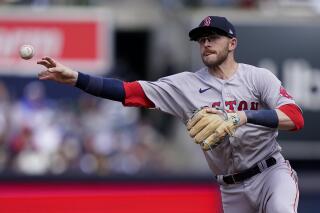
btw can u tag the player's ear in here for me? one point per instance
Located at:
(233, 44)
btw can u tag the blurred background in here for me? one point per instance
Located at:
(52, 132)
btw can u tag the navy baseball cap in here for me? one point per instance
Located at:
(212, 24)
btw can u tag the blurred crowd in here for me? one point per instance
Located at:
(177, 4)
(88, 135)
(164, 3)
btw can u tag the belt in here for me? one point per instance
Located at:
(246, 174)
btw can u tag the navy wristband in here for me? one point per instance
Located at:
(108, 88)
(268, 118)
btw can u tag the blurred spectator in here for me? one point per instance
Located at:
(89, 136)
(4, 112)
(5, 121)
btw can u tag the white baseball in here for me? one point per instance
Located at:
(26, 51)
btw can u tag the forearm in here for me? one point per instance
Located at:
(108, 88)
(287, 117)
(267, 118)
(129, 93)
(284, 122)
(292, 113)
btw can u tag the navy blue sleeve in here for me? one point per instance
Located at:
(268, 118)
(108, 88)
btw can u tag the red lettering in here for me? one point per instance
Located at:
(254, 106)
(216, 104)
(231, 104)
(243, 106)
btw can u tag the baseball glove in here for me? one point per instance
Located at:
(209, 128)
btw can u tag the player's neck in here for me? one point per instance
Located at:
(225, 70)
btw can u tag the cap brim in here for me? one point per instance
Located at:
(198, 32)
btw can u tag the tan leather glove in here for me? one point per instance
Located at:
(209, 128)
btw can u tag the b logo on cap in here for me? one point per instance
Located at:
(206, 21)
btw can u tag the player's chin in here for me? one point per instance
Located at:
(209, 62)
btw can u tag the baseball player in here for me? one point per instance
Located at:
(252, 174)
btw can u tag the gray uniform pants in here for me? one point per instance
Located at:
(275, 190)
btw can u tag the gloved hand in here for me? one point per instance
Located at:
(208, 126)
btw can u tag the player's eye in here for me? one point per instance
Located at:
(202, 40)
(209, 38)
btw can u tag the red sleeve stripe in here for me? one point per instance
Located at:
(295, 114)
(135, 96)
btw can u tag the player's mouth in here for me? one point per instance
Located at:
(209, 53)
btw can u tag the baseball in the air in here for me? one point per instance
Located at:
(26, 51)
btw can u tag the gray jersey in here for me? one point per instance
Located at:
(250, 88)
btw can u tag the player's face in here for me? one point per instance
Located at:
(215, 49)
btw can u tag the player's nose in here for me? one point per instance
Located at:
(207, 43)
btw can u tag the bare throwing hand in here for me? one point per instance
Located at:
(57, 72)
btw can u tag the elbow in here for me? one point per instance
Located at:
(294, 113)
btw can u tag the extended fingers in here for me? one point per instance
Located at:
(50, 60)
(44, 63)
(47, 62)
